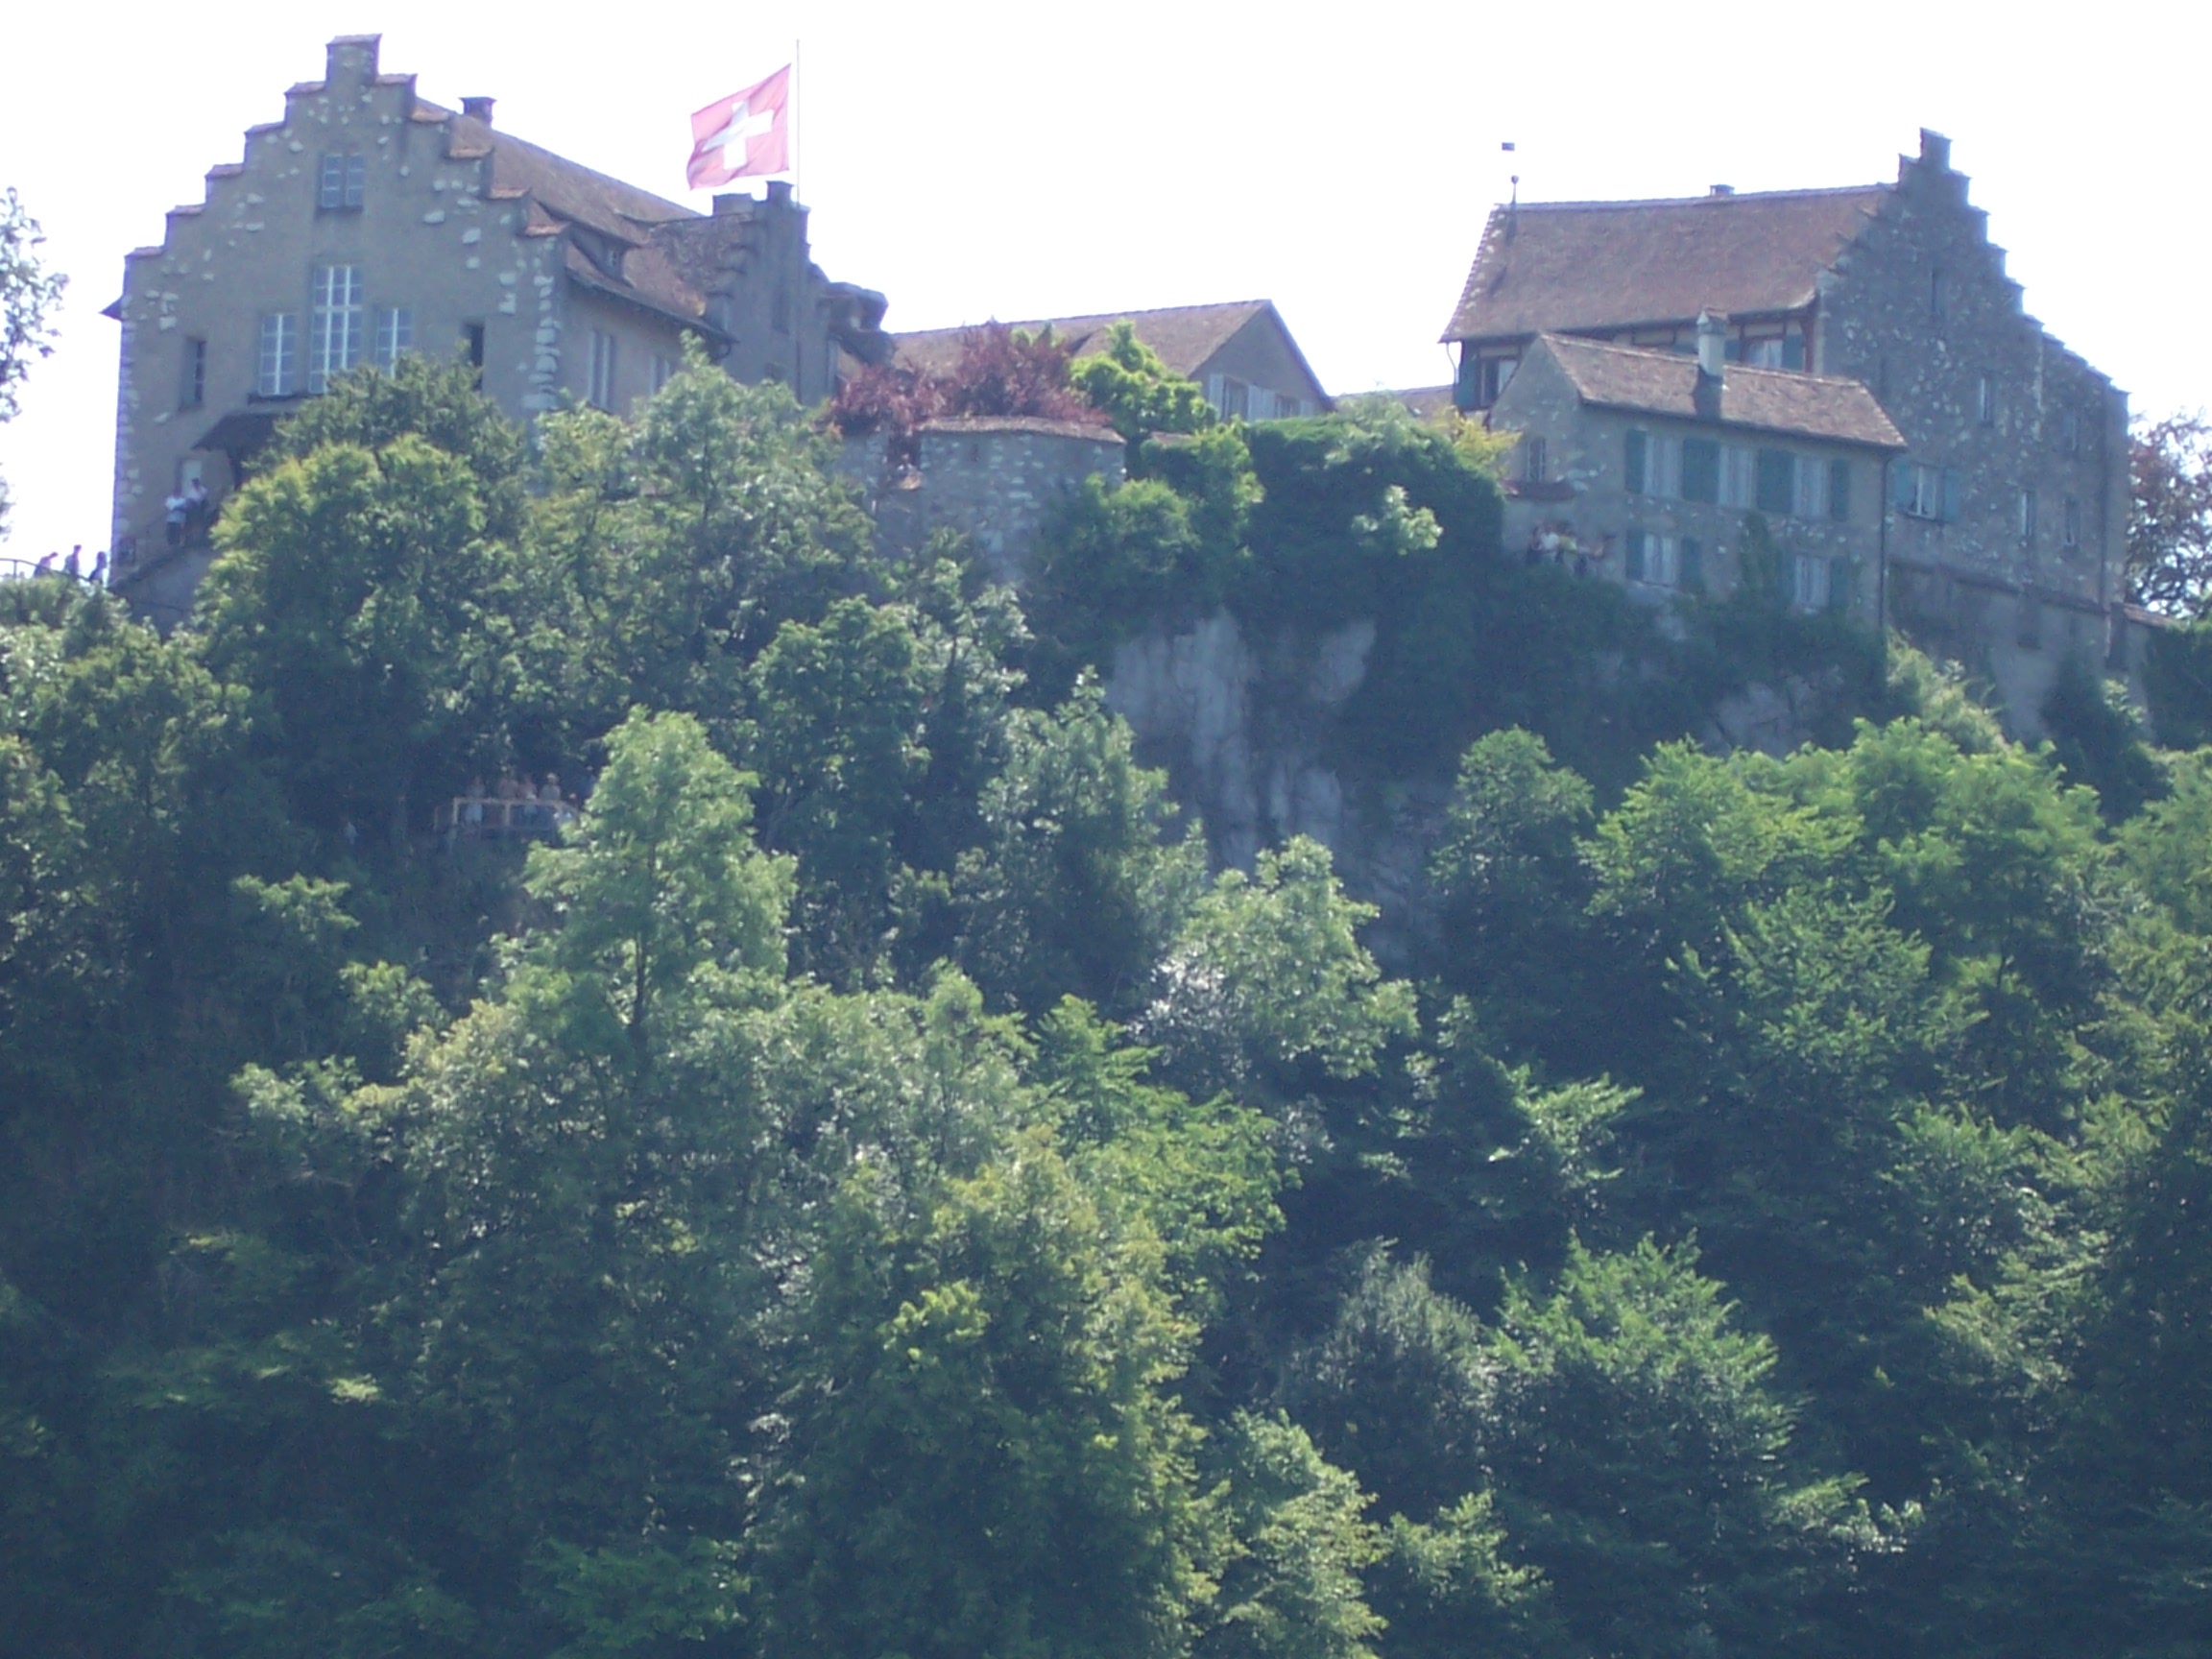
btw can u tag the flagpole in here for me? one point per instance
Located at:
(798, 125)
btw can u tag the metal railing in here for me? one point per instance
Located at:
(487, 817)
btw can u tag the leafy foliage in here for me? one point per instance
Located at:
(866, 1187)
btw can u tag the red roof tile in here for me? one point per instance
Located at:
(1667, 383)
(1566, 265)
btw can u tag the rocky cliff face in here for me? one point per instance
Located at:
(1246, 730)
(1242, 728)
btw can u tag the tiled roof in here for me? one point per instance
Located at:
(561, 186)
(1424, 401)
(1667, 383)
(1185, 336)
(1565, 265)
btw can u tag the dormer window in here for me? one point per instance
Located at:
(345, 182)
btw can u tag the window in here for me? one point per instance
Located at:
(1534, 460)
(1986, 399)
(344, 181)
(601, 395)
(278, 368)
(395, 334)
(2070, 525)
(1937, 293)
(2069, 431)
(1839, 491)
(663, 372)
(1651, 464)
(1482, 378)
(1227, 394)
(192, 387)
(1812, 583)
(1664, 561)
(1927, 492)
(1775, 490)
(1739, 475)
(335, 324)
(2026, 518)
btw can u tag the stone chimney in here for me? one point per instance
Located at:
(1935, 150)
(1712, 344)
(478, 108)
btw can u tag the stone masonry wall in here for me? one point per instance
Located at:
(993, 480)
(1919, 308)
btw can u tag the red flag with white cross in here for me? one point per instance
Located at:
(743, 135)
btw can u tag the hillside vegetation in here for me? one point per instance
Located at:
(867, 1188)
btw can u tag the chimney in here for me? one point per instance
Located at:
(478, 108)
(1712, 344)
(731, 202)
(1721, 190)
(1936, 150)
(779, 191)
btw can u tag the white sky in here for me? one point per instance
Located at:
(1015, 160)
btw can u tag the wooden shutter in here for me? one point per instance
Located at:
(1901, 488)
(1839, 585)
(1693, 566)
(1777, 476)
(1700, 469)
(1635, 556)
(1950, 495)
(1635, 460)
(1839, 491)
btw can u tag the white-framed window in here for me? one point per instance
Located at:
(1535, 460)
(2026, 518)
(1926, 491)
(1812, 583)
(277, 370)
(1809, 491)
(395, 334)
(337, 323)
(1660, 561)
(601, 395)
(1739, 475)
(663, 372)
(343, 185)
(1652, 464)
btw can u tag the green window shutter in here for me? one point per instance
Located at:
(1693, 566)
(1901, 485)
(1777, 471)
(1793, 349)
(1635, 556)
(1635, 461)
(1839, 491)
(1700, 469)
(1950, 495)
(1839, 585)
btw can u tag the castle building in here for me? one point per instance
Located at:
(2001, 529)
(369, 223)
(1645, 466)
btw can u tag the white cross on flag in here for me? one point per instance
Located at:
(743, 135)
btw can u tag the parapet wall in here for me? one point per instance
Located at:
(994, 479)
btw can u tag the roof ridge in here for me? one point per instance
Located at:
(1794, 376)
(1707, 199)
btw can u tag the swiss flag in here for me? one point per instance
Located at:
(743, 135)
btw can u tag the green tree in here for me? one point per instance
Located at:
(29, 295)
